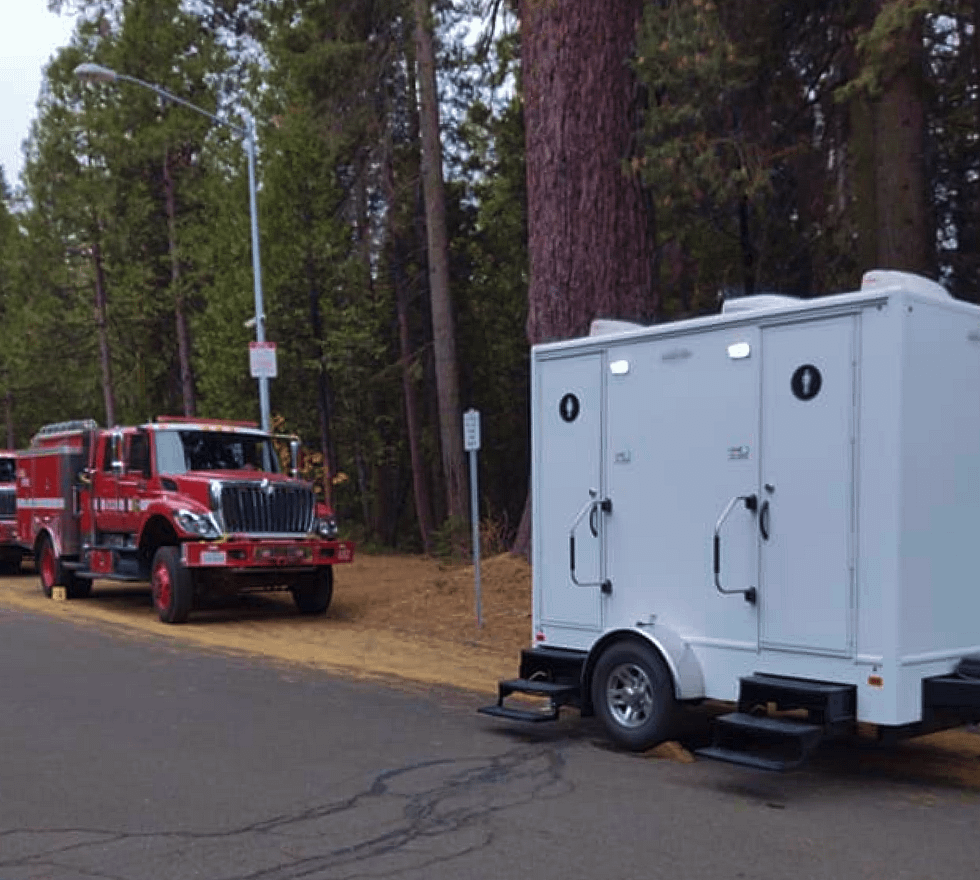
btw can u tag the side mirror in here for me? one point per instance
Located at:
(294, 457)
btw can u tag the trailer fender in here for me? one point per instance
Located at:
(681, 662)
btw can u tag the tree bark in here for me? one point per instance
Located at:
(591, 236)
(887, 161)
(324, 397)
(590, 229)
(101, 324)
(423, 505)
(180, 312)
(443, 325)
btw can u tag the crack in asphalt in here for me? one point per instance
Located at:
(408, 819)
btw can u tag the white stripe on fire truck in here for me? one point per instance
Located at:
(32, 503)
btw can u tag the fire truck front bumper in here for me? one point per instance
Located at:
(266, 554)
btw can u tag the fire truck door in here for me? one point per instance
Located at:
(106, 497)
(132, 480)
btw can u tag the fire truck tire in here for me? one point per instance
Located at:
(51, 571)
(633, 695)
(79, 588)
(313, 594)
(10, 563)
(172, 585)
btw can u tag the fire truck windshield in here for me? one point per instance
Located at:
(8, 470)
(178, 452)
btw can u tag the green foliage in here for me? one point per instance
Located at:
(745, 142)
(882, 47)
(700, 159)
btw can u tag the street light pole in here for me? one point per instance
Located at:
(98, 73)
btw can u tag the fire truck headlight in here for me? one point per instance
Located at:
(326, 527)
(198, 524)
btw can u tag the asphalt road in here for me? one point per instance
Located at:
(122, 757)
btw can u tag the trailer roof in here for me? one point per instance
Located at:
(876, 286)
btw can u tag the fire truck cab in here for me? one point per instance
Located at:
(196, 507)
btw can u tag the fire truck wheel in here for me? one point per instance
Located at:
(313, 594)
(50, 569)
(79, 588)
(633, 695)
(172, 584)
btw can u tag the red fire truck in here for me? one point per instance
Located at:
(197, 507)
(11, 551)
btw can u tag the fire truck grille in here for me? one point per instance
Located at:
(8, 505)
(254, 509)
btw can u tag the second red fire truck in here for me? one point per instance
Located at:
(11, 551)
(196, 507)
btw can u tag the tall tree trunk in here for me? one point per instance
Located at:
(180, 311)
(443, 329)
(904, 229)
(102, 328)
(323, 396)
(590, 231)
(8, 405)
(423, 505)
(887, 152)
(590, 227)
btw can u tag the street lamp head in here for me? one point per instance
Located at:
(96, 73)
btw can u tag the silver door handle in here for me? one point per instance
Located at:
(751, 503)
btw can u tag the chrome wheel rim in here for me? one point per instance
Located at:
(629, 695)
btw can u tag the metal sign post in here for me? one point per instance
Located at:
(471, 443)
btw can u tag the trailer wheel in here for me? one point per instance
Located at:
(172, 585)
(313, 594)
(50, 569)
(633, 695)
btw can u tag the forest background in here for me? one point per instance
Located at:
(442, 184)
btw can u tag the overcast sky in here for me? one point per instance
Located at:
(29, 36)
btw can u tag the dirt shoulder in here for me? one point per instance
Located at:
(392, 617)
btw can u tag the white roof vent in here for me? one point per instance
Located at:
(608, 327)
(757, 302)
(879, 279)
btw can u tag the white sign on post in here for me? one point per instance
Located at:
(471, 430)
(262, 360)
(471, 443)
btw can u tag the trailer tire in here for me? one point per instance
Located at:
(313, 594)
(172, 586)
(633, 695)
(51, 571)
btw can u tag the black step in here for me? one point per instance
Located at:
(762, 741)
(745, 759)
(514, 714)
(956, 693)
(537, 688)
(826, 703)
(557, 694)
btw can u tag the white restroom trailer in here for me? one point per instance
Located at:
(776, 506)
